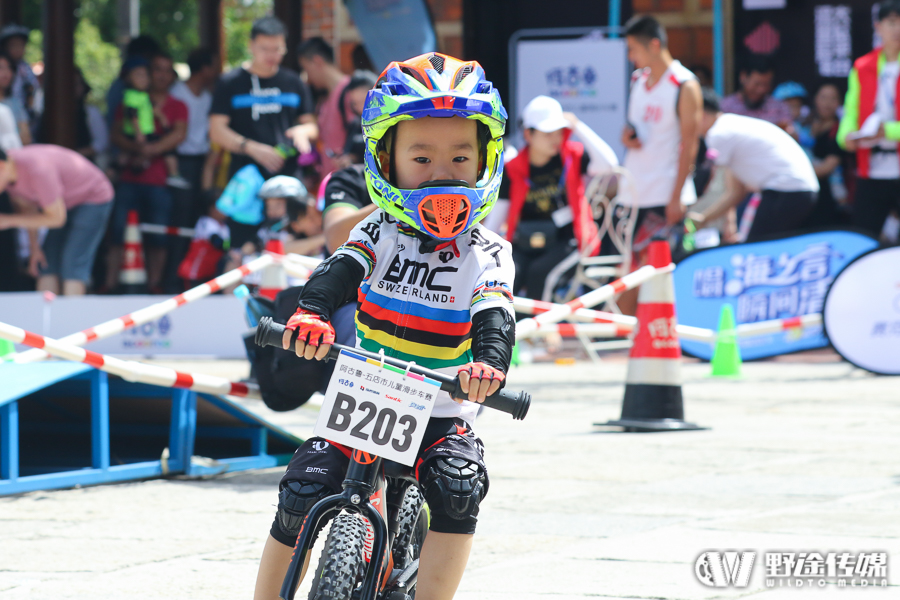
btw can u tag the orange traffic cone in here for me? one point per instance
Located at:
(133, 276)
(273, 278)
(653, 399)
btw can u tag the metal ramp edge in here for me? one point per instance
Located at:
(64, 424)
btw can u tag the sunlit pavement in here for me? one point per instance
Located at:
(801, 456)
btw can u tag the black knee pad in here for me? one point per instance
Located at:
(453, 488)
(294, 501)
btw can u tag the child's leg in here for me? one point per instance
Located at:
(171, 165)
(273, 567)
(454, 480)
(298, 492)
(442, 564)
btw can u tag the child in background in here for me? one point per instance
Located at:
(794, 95)
(291, 216)
(140, 118)
(211, 241)
(137, 111)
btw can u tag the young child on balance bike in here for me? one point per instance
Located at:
(432, 286)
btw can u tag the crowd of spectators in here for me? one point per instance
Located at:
(192, 154)
(197, 153)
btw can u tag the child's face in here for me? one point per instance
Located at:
(139, 78)
(431, 149)
(796, 106)
(276, 208)
(309, 224)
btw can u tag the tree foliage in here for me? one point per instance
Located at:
(173, 23)
(98, 60)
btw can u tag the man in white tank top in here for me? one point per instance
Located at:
(661, 137)
(663, 116)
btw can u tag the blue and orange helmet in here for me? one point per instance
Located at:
(435, 85)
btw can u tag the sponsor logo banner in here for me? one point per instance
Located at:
(774, 279)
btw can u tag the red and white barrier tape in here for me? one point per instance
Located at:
(130, 370)
(154, 311)
(778, 325)
(592, 330)
(699, 334)
(166, 230)
(526, 327)
(627, 323)
(296, 270)
(307, 262)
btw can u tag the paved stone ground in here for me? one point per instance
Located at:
(801, 455)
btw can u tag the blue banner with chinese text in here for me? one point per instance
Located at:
(774, 279)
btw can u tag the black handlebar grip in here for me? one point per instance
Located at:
(270, 333)
(506, 401)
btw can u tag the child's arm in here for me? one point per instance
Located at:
(493, 338)
(139, 136)
(493, 324)
(333, 283)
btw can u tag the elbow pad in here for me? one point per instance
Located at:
(333, 283)
(493, 337)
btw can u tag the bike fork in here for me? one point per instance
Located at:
(372, 580)
(311, 523)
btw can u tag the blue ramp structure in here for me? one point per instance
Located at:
(64, 424)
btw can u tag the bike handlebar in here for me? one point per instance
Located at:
(270, 333)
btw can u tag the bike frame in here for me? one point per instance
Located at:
(364, 478)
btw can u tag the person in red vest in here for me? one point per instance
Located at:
(549, 219)
(871, 124)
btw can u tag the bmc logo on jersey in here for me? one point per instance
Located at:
(724, 569)
(411, 272)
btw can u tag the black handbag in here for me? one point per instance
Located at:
(533, 237)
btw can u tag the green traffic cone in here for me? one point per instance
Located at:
(726, 359)
(6, 349)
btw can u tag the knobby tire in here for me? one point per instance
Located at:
(341, 566)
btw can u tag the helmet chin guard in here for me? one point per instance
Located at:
(444, 216)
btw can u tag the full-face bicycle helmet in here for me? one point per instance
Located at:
(434, 85)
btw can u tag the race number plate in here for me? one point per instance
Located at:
(380, 410)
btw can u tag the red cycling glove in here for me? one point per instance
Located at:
(310, 328)
(480, 372)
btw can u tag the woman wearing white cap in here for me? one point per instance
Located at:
(549, 218)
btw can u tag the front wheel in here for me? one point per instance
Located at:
(412, 528)
(341, 567)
